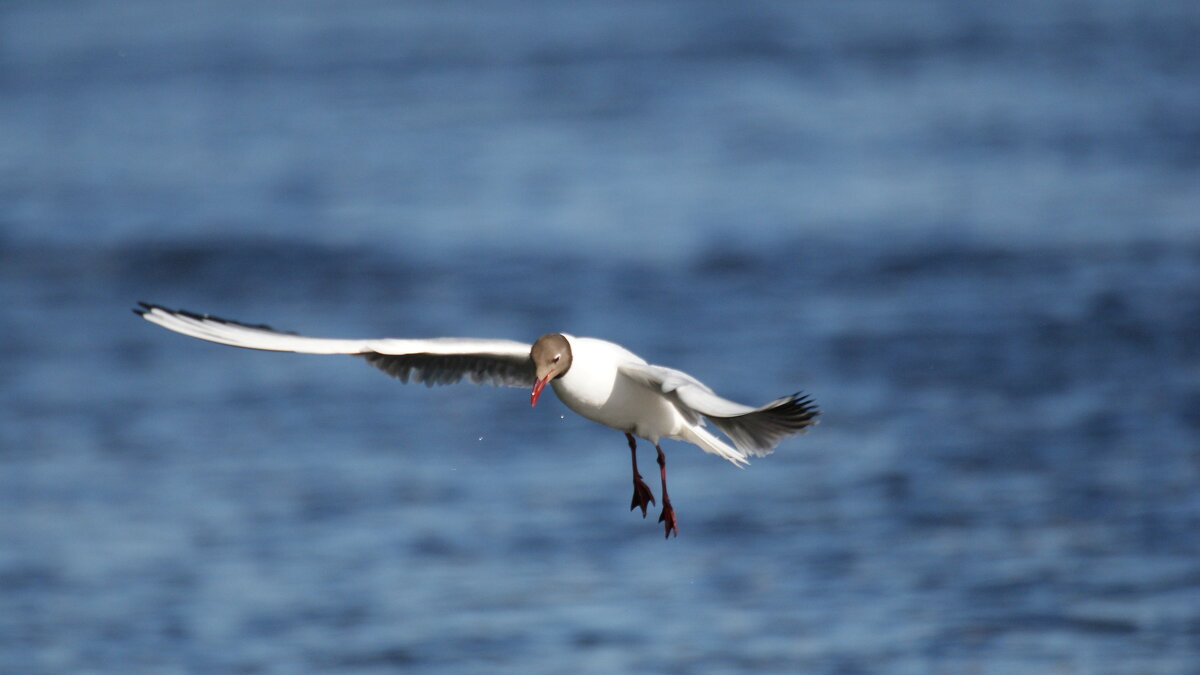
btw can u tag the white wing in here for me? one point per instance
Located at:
(431, 360)
(754, 431)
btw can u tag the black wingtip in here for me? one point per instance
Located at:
(147, 307)
(805, 402)
(797, 411)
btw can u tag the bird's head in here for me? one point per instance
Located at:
(551, 356)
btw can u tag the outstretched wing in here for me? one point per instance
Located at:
(754, 431)
(431, 360)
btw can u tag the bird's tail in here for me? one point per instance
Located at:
(709, 443)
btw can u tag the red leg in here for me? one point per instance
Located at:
(668, 513)
(641, 492)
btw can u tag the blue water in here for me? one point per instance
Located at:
(970, 230)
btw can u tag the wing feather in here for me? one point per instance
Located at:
(431, 361)
(754, 431)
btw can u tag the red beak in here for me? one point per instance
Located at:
(537, 388)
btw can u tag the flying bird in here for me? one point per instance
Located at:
(600, 380)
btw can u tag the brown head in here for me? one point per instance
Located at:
(551, 356)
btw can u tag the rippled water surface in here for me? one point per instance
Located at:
(970, 231)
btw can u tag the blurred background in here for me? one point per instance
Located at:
(971, 230)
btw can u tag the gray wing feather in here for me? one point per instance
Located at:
(432, 369)
(754, 431)
(758, 432)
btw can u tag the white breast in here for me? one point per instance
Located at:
(595, 389)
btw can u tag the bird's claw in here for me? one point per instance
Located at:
(668, 517)
(642, 496)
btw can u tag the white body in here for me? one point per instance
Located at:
(595, 388)
(617, 388)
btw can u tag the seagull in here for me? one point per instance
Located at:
(598, 379)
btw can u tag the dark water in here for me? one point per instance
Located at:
(971, 231)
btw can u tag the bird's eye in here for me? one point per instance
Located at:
(556, 358)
